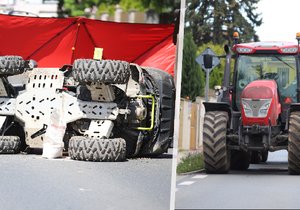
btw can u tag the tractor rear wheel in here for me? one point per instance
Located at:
(11, 65)
(240, 160)
(98, 150)
(106, 71)
(10, 144)
(264, 156)
(216, 156)
(256, 157)
(294, 144)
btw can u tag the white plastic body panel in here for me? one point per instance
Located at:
(99, 129)
(44, 93)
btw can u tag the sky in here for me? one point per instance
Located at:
(281, 20)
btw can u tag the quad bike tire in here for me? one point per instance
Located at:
(105, 71)
(9, 144)
(216, 155)
(17, 130)
(97, 150)
(239, 160)
(294, 144)
(11, 65)
(166, 89)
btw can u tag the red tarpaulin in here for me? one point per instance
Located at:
(53, 42)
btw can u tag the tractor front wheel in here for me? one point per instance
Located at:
(216, 156)
(294, 144)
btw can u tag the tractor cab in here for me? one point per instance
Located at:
(262, 61)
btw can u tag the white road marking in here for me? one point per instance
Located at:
(199, 177)
(84, 190)
(60, 159)
(186, 183)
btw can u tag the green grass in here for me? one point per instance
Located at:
(192, 162)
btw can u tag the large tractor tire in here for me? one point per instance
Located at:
(11, 65)
(264, 156)
(106, 71)
(9, 144)
(98, 150)
(256, 157)
(239, 160)
(165, 87)
(294, 144)
(216, 155)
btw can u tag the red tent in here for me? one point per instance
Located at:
(53, 42)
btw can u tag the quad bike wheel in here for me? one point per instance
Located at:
(98, 150)
(294, 144)
(106, 71)
(9, 144)
(216, 155)
(165, 112)
(11, 65)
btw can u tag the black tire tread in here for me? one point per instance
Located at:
(256, 157)
(106, 71)
(11, 65)
(214, 142)
(97, 150)
(240, 160)
(164, 83)
(10, 144)
(264, 156)
(294, 144)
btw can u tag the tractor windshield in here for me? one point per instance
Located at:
(281, 68)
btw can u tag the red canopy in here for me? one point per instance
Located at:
(53, 42)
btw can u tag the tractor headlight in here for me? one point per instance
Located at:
(247, 109)
(257, 107)
(263, 111)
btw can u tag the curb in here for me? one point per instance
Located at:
(191, 172)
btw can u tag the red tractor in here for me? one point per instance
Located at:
(257, 110)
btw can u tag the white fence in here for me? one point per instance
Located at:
(191, 124)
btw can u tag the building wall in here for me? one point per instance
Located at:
(48, 8)
(41, 8)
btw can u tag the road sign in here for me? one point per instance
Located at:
(208, 60)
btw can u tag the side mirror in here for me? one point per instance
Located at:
(208, 61)
(226, 49)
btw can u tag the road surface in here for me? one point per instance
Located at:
(32, 182)
(261, 186)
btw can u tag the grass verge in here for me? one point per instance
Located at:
(192, 162)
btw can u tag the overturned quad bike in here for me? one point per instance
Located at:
(112, 109)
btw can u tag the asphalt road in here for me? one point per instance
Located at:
(32, 182)
(261, 186)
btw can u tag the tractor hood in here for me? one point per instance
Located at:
(260, 103)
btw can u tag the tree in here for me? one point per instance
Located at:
(192, 84)
(77, 7)
(216, 20)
